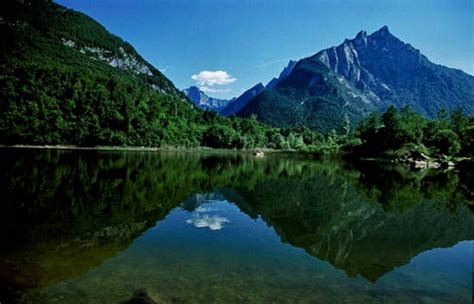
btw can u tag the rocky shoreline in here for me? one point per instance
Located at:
(417, 160)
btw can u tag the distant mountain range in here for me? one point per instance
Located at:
(361, 75)
(204, 102)
(225, 107)
(66, 79)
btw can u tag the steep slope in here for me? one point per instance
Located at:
(65, 79)
(237, 104)
(389, 71)
(286, 71)
(312, 96)
(204, 102)
(367, 73)
(38, 29)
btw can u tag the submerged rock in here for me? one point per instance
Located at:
(140, 296)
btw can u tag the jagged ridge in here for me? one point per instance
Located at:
(364, 74)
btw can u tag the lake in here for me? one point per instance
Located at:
(201, 227)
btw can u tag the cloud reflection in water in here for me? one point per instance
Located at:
(213, 222)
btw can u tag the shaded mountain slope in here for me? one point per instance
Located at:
(364, 74)
(237, 104)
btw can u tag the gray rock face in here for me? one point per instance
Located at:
(125, 61)
(361, 75)
(388, 71)
(204, 102)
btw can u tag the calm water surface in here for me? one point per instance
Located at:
(131, 227)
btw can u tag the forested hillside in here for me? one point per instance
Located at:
(64, 79)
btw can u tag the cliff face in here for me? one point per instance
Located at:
(39, 31)
(204, 102)
(364, 74)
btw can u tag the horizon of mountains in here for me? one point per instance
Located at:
(364, 74)
(227, 107)
(66, 79)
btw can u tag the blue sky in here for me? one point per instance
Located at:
(251, 41)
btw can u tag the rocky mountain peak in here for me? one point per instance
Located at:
(383, 31)
(194, 93)
(360, 39)
(194, 89)
(361, 35)
(363, 74)
(258, 86)
(384, 37)
(204, 102)
(286, 71)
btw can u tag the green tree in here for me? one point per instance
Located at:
(368, 128)
(446, 142)
(220, 137)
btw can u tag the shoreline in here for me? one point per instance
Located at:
(67, 147)
(144, 149)
(413, 163)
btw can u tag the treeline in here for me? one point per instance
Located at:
(52, 104)
(55, 104)
(52, 94)
(397, 132)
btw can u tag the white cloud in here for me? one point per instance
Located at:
(214, 222)
(210, 78)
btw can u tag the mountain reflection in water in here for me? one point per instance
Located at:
(84, 227)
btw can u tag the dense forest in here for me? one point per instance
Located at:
(397, 132)
(53, 104)
(65, 80)
(59, 105)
